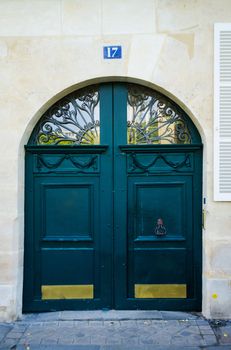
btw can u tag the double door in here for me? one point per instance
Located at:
(113, 225)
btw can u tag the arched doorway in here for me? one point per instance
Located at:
(113, 203)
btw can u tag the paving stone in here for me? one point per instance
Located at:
(130, 341)
(223, 334)
(4, 329)
(195, 340)
(206, 330)
(111, 323)
(201, 322)
(66, 324)
(36, 339)
(188, 322)
(148, 347)
(60, 347)
(177, 340)
(192, 329)
(113, 340)
(176, 323)
(217, 347)
(14, 335)
(36, 332)
(129, 323)
(158, 323)
(66, 341)
(81, 323)
(83, 340)
(97, 323)
(8, 342)
(28, 317)
(20, 324)
(49, 341)
(36, 325)
(210, 339)
(48, 316)
(108, 347)
(114, 331)
(144, 322)
(98, 339)
(150, 341)
(49, 324)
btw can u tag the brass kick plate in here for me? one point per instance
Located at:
(68, 292)
(149, 291)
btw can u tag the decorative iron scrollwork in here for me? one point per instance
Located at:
(91, 162)
(154, 119)
(72, 120)
(160, 229)
(145, 168)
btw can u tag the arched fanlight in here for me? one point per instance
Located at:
(152, 118)
(71, 121)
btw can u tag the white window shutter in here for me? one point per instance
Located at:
(222, 112)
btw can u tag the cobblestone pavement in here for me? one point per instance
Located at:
(115, 330)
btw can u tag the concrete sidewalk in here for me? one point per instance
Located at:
(115, 330)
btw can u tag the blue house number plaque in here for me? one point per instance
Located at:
(112, 52)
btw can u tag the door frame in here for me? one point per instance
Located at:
(119, 186)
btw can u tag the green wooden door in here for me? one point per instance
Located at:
(115, 223)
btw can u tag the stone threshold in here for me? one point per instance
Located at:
(101, 315)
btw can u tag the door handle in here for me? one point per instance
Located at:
(160, 229)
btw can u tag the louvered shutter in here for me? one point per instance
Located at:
(222, 112)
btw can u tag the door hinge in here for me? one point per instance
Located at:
(203, 218)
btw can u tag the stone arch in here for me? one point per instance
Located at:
(86, 83)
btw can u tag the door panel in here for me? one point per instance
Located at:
(61, 279)
(161, 197)
(65, 200)
(160, 267)
(113, 225)
(67, 211)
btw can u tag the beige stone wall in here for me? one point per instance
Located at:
(50, 47)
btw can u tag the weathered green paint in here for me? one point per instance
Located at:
(91, 213)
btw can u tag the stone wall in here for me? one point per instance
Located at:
(49, 48)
